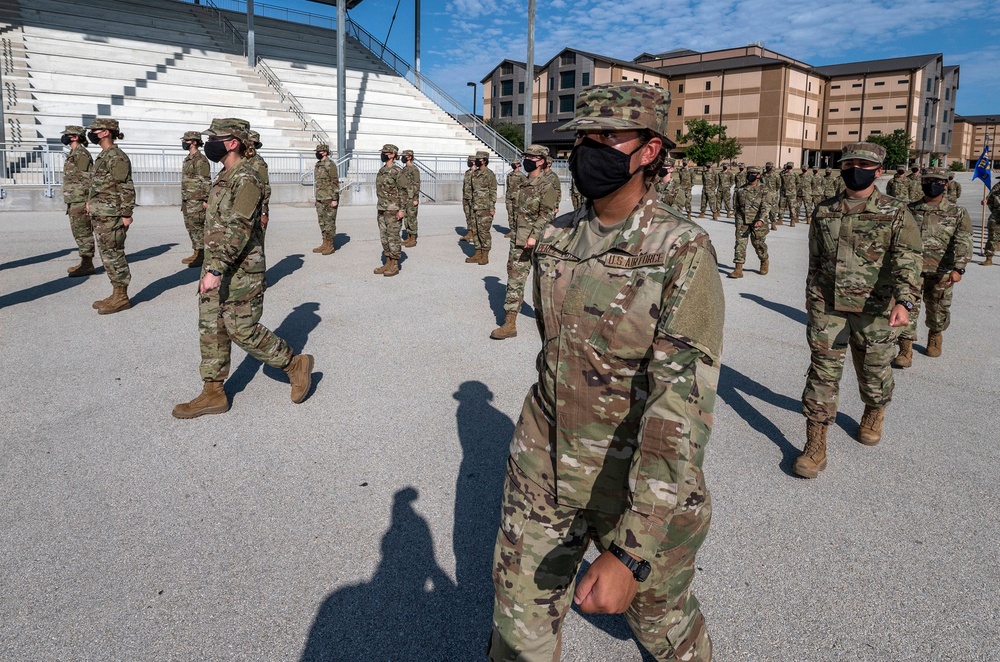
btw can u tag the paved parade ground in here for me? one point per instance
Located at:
(359, 525)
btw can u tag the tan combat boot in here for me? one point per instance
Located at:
(484, 257)
(212, 400)
(765, 266)
(988, 262)
(381, 270)
(199, 258)
(322, 246)
(392, 269)
(870, 432)
(508, 329)
(506, 235)
(85, 268)
(299, 371)
(473, 259)
(328, 248)
(411, 240)
(190, 258)
(737, 272)
(467, 237)
(813, 458)
(934, 344)
(118, 302)
(905, 357)
(100, 303)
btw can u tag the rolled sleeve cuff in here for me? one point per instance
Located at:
(640, 534)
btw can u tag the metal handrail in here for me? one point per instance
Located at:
(227, 25)
(318, 134)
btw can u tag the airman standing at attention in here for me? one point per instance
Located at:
(196, 181)
(805, 181)
(726, 179)
(954, 191)
(832, 185)
(515, 179)
(685, 178)
(411, 177)
(770, 181)
(231, 292)
(484, 202)
(740, 177)
(916, 188)
(899, 185)
(863, 281)
(258, 163)
(751, 223)
(992, 202)
(666, 185)
(76, 186)
(326, 188)
(789, 195)
(110, 202)
(537, 205)
(710, 191)
(391, 193)
(946, 234)
(553, 178)
(470, 219)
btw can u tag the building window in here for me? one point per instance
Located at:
(807, 111)
(678, 134)
(625, 78)
(856, 109)
(494, 91)
(506, 88)
(900, 106)
(809, 86)
(585, 79)
(903, 81)
(831, 133)
(680, 111)
(876, 132)
(520, 87)
(506, 108)
(835, 110)
(944, 138)
(707, 109)
(520, 109)
(923, 135)
(567, 58)
(708, 85)
(807, 134)
(552, 82)
(852, 133)
(879, 83)
(506, 69)
(876, 107)
(946, 116)
(927, 108)
(835, 87)
(947, 94)
(493, 111)
(930, 84)
(567, 80)
(566, 103)
(856, 85)
(680, 89)
(550, 106)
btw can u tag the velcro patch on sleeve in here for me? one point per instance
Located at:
(247, 199)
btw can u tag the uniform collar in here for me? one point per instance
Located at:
(632, 233)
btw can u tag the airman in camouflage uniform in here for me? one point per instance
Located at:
(484, 202)
(666, 186)
(196, 180)
(993, 225)
(610, 441)
(805, 194)
(771, 182)
(789, 191)
(258, 163)
(899, 185)
(946, 234)
(726, 179)
(391, 190)
(537, 205)
(470, 222)
(916, 192)
(411, 187)
(553, 178)
(864, 277)
(954, 191)
(710, 191)
(515, 179)
(832, 184)
(751, 223)
(579, 202)
(740, 177)
(110, 202)
(76, 186)
(326, 187)
(685, 178)
(231, 292)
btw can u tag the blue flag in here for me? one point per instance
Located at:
(982, 171)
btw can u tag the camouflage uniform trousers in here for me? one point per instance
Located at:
(388, 230)
(511, 220)
(518, 268)
(757, 237)
(684, 200)
(775, 215)
(538, 552)
(482, 238)
(410, 222)
(807, 207)
(81, 227)
(111, 241)
(470, 222)
(231, 313)
(194, 222)
(327, 216)
(873, 347)
(937, 293)
(992, 235)
(711, 198)
(725, 200)
(789, 203)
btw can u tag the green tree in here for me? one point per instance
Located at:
(897, 147)
(514, 133)
(708, 143)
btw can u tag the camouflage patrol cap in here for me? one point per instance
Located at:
(742, 165)
(255, 139)
(668, 162)
(407, 152)
(789, 165)
(829, 171)
(229, 126)
(548, 160)
(864, 151)
(621, 107)
(482, 154)
(323, 147)
(389, 148)
(753, 170)
(934, 173)
(900, 170)
(104, 123)
(537, 150)
(73, 130)
(768, 165)
(191, 135)
(914, 168)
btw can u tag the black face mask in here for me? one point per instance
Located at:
(385, 158)
(185, 146)
(65, 140)
(663, 172)
(479, 163)
(529, 165)
(319, 156)
(752, 177)
(92, 137)
(858, 179)
(216, 150)
(599, 170)
(469, 163)
(933, 187)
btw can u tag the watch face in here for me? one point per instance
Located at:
(642, 572)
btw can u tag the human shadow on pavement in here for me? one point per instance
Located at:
(185, 276)
(792, 313)
(64, 283)
(340, 240)
(285, 267)
(294, 330)
(406, 611)
(461, 231)
(497, 293)
(468, 247)
(502, 229)
(35, 259)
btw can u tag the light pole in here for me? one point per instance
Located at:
(474, 95)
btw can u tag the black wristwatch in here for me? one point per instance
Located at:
(906, 304)
(217, 274)
(640, 569)
(961, 272)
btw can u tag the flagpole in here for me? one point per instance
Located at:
(982, 229)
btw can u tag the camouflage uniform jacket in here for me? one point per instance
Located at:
(752, 203)
(668, 192)
(770, 181)
(234, 238)
(196, 177)
(946, 234)
(993, 200)
(740, 178)
(467, 188)
(484, 190)
(515, 180)
(685, 177)
(805, 184)
(390, 188)
(864, 260)
(832, 185)
(916, 190)
(789, 183)
(710, 181)
(726, 179)
(628, 371)
(898, 187)
(259, 165)
(537, 205)
(76, 175)
(326, 180)
(556, 184)
(954, 191)
(410, 181)
(111, 189)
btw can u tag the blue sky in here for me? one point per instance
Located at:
(464, 39)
